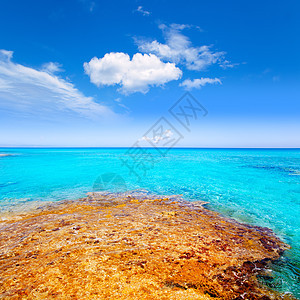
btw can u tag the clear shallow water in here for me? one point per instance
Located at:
(260, 187)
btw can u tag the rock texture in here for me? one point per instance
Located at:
(123, 247)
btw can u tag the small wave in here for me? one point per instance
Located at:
(287, 170)
(7, 184)
(295, 173)
(137, 194)
(5, 154)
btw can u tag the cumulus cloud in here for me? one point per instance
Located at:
(144, 12)
(30, 89)
(189, 84)
(179, 49)
(132, 75)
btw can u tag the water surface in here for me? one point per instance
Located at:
(260, 187)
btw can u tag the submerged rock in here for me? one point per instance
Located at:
(120, 247)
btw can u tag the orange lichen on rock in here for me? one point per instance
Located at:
(104, 247)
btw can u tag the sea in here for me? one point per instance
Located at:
(254, 186)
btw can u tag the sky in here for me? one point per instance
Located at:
(93, 73)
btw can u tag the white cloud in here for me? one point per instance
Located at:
(135, 75)
(226, 64)
(179, 49)
(198, 83)
(119, 102)
(167, 134)
(30, 89)
(144, 12)
(6, 55)
(52, 67)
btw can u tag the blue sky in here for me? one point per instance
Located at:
(101, 73)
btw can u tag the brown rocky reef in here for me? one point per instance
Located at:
(124, 247)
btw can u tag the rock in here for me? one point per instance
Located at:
(143, 250)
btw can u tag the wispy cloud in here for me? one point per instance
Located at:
(132, 75)
(189, 84)
(89, 5)
(226, 64)
(167, 134)
(179, 49)
(52, 67)
(141, 10)
(28, 89)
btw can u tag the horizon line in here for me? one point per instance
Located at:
(126, 147)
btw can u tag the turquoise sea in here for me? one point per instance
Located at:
(255, 186)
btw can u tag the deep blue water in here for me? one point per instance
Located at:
(256, 186)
